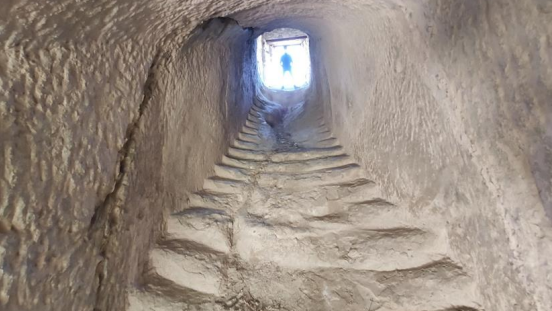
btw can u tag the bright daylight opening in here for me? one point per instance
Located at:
(283, 59)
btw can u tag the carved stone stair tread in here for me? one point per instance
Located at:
(187, 275)
(324, 177)
(250, 155)
(287, 209)
(239, 163)
(241, 144)
(307, 154)
(249, 130)
(252, 125)
(308, 165)
(229, 172)
(223, 185)
(213, 200)
(342, 247)
(204, 226)
(249, 138)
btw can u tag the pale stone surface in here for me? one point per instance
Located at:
(463, 132)
(301, 238)
(446, 104)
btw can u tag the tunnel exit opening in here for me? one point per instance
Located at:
(283, 59)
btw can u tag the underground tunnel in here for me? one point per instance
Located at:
(165, 155)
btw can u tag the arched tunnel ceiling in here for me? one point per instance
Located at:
(32, 24)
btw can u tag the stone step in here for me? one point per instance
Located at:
(310, 137)
(215, 201)
(249, 138)
(362, 190)
(250, 155)
(249, 130)
(325, 143)
(307, 154)
(243, 164)
(193, 277)
(222, 185)
(254, 118)
(308, 165)
(318, 201)
(356, 191)
(339, 246)
(252, 125)
(376, 214)
(229, 172)
(256, 108)
(245, 145)
(335, 215)
(295, 182)
(323, 130)
(439, 286)
(203, 229)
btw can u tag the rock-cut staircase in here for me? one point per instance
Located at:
(291, 222)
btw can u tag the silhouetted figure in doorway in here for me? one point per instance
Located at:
(286, 62)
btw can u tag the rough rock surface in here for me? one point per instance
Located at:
(92, 142)
(113, 112)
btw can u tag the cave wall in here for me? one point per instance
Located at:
(101, 138)
(199, 111)
(447, 106)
